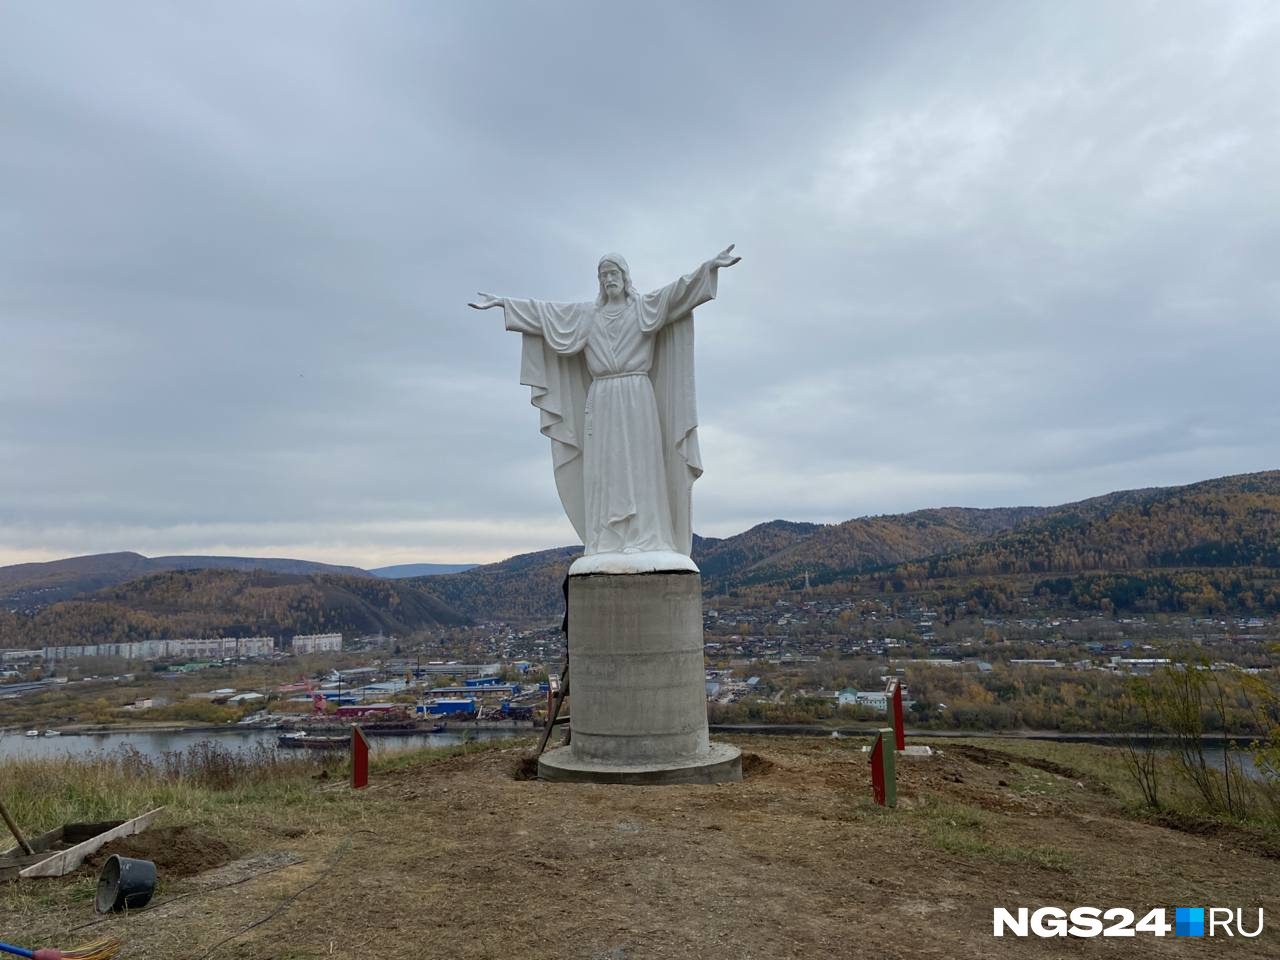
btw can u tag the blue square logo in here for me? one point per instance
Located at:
(1188, 922)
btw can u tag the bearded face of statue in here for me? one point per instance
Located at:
(612, 280)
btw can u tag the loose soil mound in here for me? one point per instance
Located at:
(1239, 837)
(754, 765)
(179, 851)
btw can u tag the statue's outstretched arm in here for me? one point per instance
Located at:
(724, 258)
(488, 300)
(563, 325)
(685, 293)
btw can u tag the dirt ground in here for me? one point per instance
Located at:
(461, 859)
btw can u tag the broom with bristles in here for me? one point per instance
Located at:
(103, 949)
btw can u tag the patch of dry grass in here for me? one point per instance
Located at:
(970, 832)
(1105, 765)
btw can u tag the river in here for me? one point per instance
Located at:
(153, 744)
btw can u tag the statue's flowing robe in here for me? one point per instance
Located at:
(616, 398)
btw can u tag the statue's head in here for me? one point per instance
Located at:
(614, 276)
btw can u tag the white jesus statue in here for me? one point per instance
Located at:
(613, 381)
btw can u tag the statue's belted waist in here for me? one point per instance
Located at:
(615, 376)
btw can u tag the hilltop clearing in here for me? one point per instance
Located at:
(458, 858)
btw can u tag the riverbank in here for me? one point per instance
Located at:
(512, 727)
(124, 728)
(453, 854)
(533, 728)
(870, 730)
(155, 745)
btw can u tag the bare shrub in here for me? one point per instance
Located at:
(1140, 715)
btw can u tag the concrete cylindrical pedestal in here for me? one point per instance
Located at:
(637, 689)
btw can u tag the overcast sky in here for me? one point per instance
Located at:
(993, 254)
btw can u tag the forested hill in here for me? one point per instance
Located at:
(1207, 546)
(718, 558)
(1230, 522)
(529, 586)
(27, 586)
(870, 542)
(230, 603)
(526, 587)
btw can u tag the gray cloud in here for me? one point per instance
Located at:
(994, 254)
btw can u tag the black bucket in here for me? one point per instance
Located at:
(125, 884)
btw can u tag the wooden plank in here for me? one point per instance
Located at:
(64, 861)
(43, 843)
(12, 866)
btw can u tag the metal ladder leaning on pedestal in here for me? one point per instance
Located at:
(554, 719)
(558, 696)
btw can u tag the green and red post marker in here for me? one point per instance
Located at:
(884, 769)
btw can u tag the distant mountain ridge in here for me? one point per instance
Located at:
(230, 603)
(719, 558)
(33, 585)
(526, 587)
(402, 570)
(869, 542)
(1225, 524)
(529, 586)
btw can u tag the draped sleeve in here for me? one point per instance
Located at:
(564, 326)
(669, 313)
(678, 298)
(554, 369)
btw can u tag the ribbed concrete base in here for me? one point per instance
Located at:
(638, 692)
(720, 764)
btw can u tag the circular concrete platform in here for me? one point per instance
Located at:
(720, 764)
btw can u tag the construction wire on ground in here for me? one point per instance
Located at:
(280, 907)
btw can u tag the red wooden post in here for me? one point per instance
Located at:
(359, 759)
(899, 735)
(877, 770)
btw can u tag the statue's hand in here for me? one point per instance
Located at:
(486, 301)
(724, 258)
